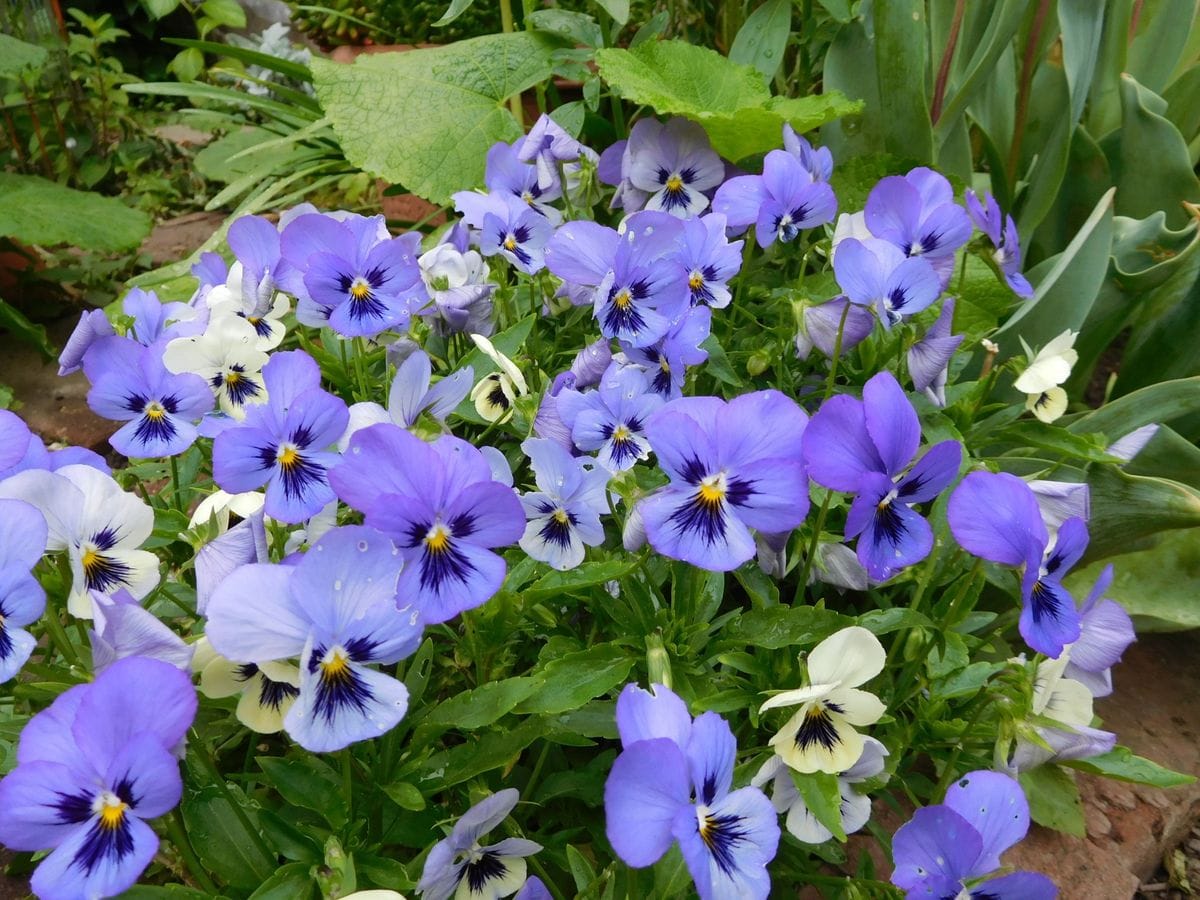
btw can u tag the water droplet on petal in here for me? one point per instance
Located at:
(362, 545)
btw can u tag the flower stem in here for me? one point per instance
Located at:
(178, 834)
(176, 495)
(508, 25)
(837, 352)
(812, 547)
(939, 90)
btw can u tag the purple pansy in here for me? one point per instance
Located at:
(210, 271)
(256, 243)
(674, 164)
(151, 317)
(244, 543)
(944, 847)
(506, 175)
(929, 358)
(875, 273)
(673, 783)
(548, 146)
(548, 422)
(23, 537)
(517, 232)
(862, 447)
(995, 516)
(779, 203)
(823, 321)
(666, 361)
(1105, 632)
(161, 409)
(123, 628)
(21, 450)
(564, 512)
(611, 420)
(90, 770)
(590, 363)
(917, 213)
(732, 466)
(817, 160)
(707, 260)
(93, 325)
(336, 610)
(1002, 232)
(283, 443)
(444, 510)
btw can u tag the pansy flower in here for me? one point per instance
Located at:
(822, 323)
(155, 321)
(548, 146)
(929, 358)
(817, 160)
(612, 419)
(673, 783)
(259, 269)
(122, 627)
(91, 770)
(411, 395)
(995, 516)
(855, 808)
(674, 164)
(666, 361)
(1063, 726)
(495, 393)
(707, 260)
(92, 326)
(506, 174)
(160, 408)
(916, 212)
(944, 848)
(875, 273)
(21, 450)
(226, 355)
(511, 229)
(1046, 371)
(441, 505)
(564, 512)
(1001, 230)
(820, 736)
(590, 363)
(23, 537)
(456, 280)
(779, 203)
(458, 866)
(733, 466)
(283, 443)
(1105, 633)
(99, 525)
(863, 447)
(336, 610)
(265, 690)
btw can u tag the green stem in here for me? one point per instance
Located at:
(348, 782)
(176, 495)
(178, 834)
(939, 90)
(360, 368)
(812, 549)
(58, 636)
(508, 24)
(1028, 64)
(566, 195)
(837, 353)
(537, 772)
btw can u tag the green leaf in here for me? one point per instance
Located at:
(160, 8)
(900, 60)
(785, 626)
(482, 705)
(294, 70)
(1156, 586)
(163, 892)
(618, 9)
(406, 796)
(1081, 23)
(290, 881)
(572, 680)
(491, 751)
(225, 12)
(1121, 763)
(220, 839)
(456, 9)
(1170, 456)
(1158, 403)
(18, 57)
(582, 871)
(37, 211)
(850, 69)
(17, 324)
(580, 28)
(583, 576)
(885, 621)
(426, 118)
(1002, 24)
(310, 783)
(1163, 28)
(1054, 799)
(1128, 508)
(730, 101)
(187, 64)
(217, 161)
(1047, 147)
(763, 37)
(822, 795)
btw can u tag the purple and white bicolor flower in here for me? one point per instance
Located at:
(1105, 632)
(440, 504)
(666, 362)
(995, 516)
(130, 384)
(564, 513)
(336, 610)
(674, 163)
(226, 356)
(99, 525)
(817, 160)
(23, 537)
(875, 273)
(155, 321)
(283, 443)
(1067, 702)
(929, 358)
(1001, 230)
(549, 146)
(122, 628)
(456, 280)
(411, 395)
(779, 203)
(707, 260)
(514, 230)
(732, 466)
(457, 866)
(863, 447)
(506, 174)
(823, 321)
(944, 848)
(673, 783)
(611, 420)
(635, 295)
(91, 769)
(917, 213)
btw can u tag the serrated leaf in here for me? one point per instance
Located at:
(426, 118)
(1122, 764)
(483, 705)
(729, 100)
(821, 793)
(37, 211)
(1054, 800)
(572, 680)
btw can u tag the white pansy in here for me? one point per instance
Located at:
(266, 316)
(220, 504)
(228, 358)
(265, 691)
(1046, 371)
(496, 393)
(821, 736)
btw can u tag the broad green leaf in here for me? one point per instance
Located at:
(225, 12)
(1054, 799)
(570, 117)
(901, 51)
(491, 751)
(850, 70)
(1183, 103)
(1159, 403)
(221, 840)
(729, 100)
(1002, 24)
(425, 119)
(1163, 28)
(288, 882)
(187, 65)
(1122, 764)
(1045, 149)
(37, 211)
(582, 871)
(160, 8)
(1170, 456)
(482, 705)
(572, 680)
(163, 892)
(1087, 178)
(763, 37)
(1081, 23)
(456, 9)
(618, 9)
(1128, 508)
(18, 57)
(1156, 586)
(885, 621)
(1104, 100)
(308, 782)
(216, 161)
(18, 326)
(405, 795)
(1066, 285)
(1146, 134)
(586, 575)
(821, 793)
(580, 28)
(785, 626)
(291, 69)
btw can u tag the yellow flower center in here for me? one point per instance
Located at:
(288, 456)
(663, 364)
(155, 411)
(254, 320)
(510, 243)
(527, 197)
(561, 517)
(111, 810)
(675, 183)
(91, 559)
(232, 378)
(438, 539)
(712, 490)
(336, 664)
(623, 299)
(359, 290)
(621, 433)
(696, 280)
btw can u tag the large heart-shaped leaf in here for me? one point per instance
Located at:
(37, 211)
